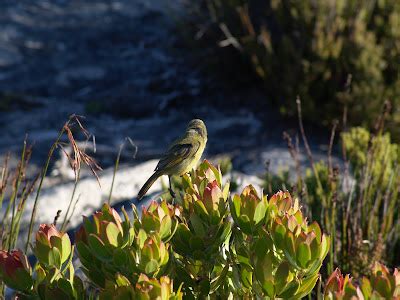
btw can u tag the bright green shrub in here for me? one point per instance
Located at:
(308, 48)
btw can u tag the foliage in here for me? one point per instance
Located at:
(208, 244)
(309, 48)
(358, 203)
(380, 285)
(276, 253)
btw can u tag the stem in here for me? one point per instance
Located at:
(306, 145)
(64, 223)
(44, 172)
(115, 172)
(15, 194)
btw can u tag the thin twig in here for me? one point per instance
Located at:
(64, 223)
(73, 209)
(15, 193)
(306, 145)
(330, 166)
(294, 154)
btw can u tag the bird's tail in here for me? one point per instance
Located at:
(147, 185)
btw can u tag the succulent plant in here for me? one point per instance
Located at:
(380, 285)
(149, 254)
(108, 246)
(53, 248)
(278, 254)
(205, 225)
(100, 241)
(15, 270)
(145, 289)
(341, 287)
(203, 232)
(159, 218)
(248, 210)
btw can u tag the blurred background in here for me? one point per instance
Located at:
(142, 69)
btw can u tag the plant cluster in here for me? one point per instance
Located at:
(358, 203)
(310, 48)
(208, 244)
(380, 285)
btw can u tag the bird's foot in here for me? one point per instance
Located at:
(172, 193)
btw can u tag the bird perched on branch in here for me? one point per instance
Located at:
(181, 157)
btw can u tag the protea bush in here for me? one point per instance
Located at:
(277, 254)
(382, 284)
(207, 244)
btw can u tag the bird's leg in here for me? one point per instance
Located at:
(171, 191)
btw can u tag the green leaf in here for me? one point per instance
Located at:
(98, 248)
(225, 191)
(260, 211)
(290, 290)
(303, 255)
(23, 280)
(366, 288)
(120, 257)
(54, 258)
(324, 246)
(236, 206)
(279, 236)
(204, 288)
(165, 227)
(244, 224)
(306, 286)
(289, 248)
(382, 286)
(66, 247)
(121, 280)
(141, 238)
(281, 276)
(200, 209)
(317, 230)
(246, 277)
(66, 287)
(84, 253)
(196, 244)
(114, 236)
(151, 266)
(197, 225)
(56, 242)
(215, 284)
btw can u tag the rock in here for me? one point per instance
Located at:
(9, 57)
(89, 195)
(80, 73)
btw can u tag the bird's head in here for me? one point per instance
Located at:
(197, 126)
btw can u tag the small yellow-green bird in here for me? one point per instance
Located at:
(181, 157)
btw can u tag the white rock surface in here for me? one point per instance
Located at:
(127, 183)
(91, 196)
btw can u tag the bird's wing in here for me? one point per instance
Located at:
(177, 153)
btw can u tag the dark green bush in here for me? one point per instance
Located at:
(309, 48)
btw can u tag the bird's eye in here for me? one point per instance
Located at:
(198, 130)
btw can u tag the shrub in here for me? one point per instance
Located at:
(309, 48)
(358, 203)
(209, 244)
(380, 285)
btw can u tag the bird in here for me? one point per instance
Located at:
(181, 157)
